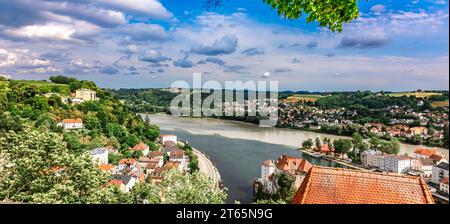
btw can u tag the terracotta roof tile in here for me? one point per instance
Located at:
(325, 185)
(140, 147)
(427, 152)
(70, 121)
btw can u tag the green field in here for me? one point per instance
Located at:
(416, 94)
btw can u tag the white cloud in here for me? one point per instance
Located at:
(7, 58)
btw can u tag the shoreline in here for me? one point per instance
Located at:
(295, 130)
(206, 166)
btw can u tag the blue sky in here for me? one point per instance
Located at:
(393, 45)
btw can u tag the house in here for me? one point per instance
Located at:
(438, 159)
(72, 124)
(85, 95)
(145, 149)
(127, 180)
(326, 185)
(423, 165)
(117, 183)
(443, 186)
(177, 155)
(107, 168)
(155, 154)
(169, 146)
(368, 158)
(397, 164)
(439, 172)
(143, 160)
(99, 156)
(325, 149)
(419, 131)
(168, 138)
(424, 153)
(127, 164)
(111, 149)
(288, 165)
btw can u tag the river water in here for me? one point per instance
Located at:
(237, 148)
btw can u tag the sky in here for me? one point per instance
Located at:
(394, 45)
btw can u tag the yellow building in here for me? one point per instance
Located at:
(85, 94)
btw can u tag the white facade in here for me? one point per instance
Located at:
(86, 94)
(267, 170)
(99, 156)
(71, 124)
(443, 187)
(439, 172)
(397, 164)
(168, 138)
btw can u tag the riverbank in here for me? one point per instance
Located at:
(241, 130)
(342, 162)
(205, 165)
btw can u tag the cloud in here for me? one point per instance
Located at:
(110, 70)
(296, 61)
(143, 33)
(152, 56)
(235, 69)
(378, 9)
(160, 70)
(364, 42)
(265, 75)
(215, 60)
(7, 58)
(252, 51)
(312, 44)
(281, 70)
(184, 62)
(226, 45)
(330, 54)
(148, 8)
(201, 62)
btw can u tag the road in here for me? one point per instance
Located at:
(206, 166)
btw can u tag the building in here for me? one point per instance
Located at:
(326, 185)
(287, 165)
(85, 95)
(439, 172)
(127, 180)
(397, 164)
(424, 153)
(72, 124)
(127, 164)
(438, 159)
(423, 165)
(168, 138)
(368, 158)
(107, 168)
(99, 156)
(145, 149)
(443, 186)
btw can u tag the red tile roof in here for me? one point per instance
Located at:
(106, 167)
(140, 147)
(427, 152)
(70, 121)
(153, 154)
(115, 182)
(127, 161)
(444, 181)
(289, 163)
(325, 148)
(325, 185)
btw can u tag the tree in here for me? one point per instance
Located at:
(37, 168)
(307, 144)
(180, 188)
(285, 190)
(342, 146)
(318, 143)
(331, 14)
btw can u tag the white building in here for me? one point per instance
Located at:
(267, 176)
(424, 165)
(424, 153)
(128, 181)
(99, 156)
(368, 158)
(85, 94)
(145, 149)
(397, 164)
(439, 172)
(168, 138)
(443, 185)
(71, 124)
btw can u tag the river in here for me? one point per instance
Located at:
(238, 148)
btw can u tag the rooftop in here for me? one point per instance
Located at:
(443, 165)
(427, 152)
(325, 185)
(75, 120)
